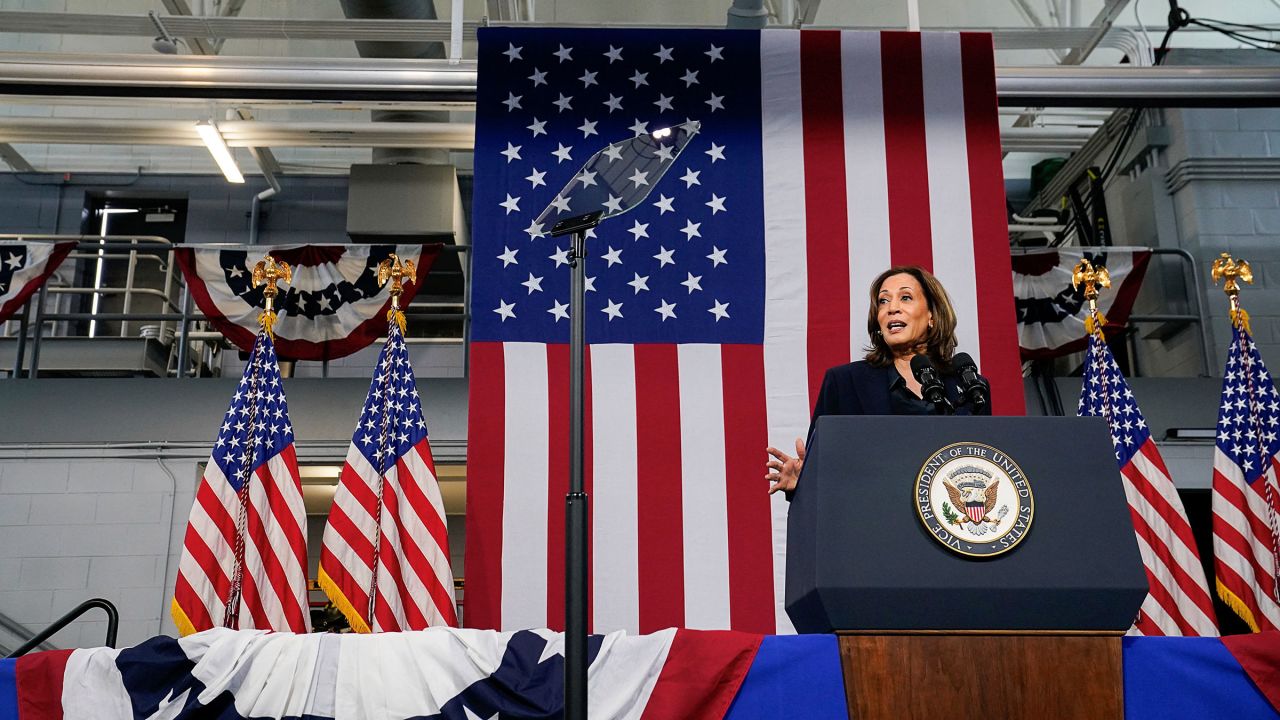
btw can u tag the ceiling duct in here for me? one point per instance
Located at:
(408, 193)
(399, 10)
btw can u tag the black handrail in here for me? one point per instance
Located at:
(113, 623)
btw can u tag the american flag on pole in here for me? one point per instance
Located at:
(1178, 602)
(386, 537)
(244, 559)
(1246, 497)
(714, 307)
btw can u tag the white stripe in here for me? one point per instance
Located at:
(786, 301)
(1262, 552)
(621, 680)
(389, 582)
(524, 502)
(288, 487)
(866, 174)
(702, 466)
(1187, 558)
(1226, 556)
(615, 529)
(950, 213)
(436, 554)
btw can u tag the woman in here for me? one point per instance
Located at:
(910, 315)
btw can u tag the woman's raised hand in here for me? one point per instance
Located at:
(784, 470)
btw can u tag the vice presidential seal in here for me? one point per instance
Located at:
(974, 499)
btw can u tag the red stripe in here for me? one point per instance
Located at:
(358, 487)
(906, 162)
(192, 604)
(1229, 492)
(486, 438)
(355, 594)
(702, 675)
(294, 554)
(750, 542)
(440, 596)
(997, 320)
(218, 513)
(1162, 594)
(826, 212)
(273, 559)
(417, 500)
(39, 677)
(659, 514)
(557, 478)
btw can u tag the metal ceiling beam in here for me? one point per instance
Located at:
(224, 27)
(14, 159)
(448, 136)
(324, 79)
(198, 45)
(237, 133)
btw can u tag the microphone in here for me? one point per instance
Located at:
(931, 386)
(974, 388)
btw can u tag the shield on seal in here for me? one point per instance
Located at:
(976, 510)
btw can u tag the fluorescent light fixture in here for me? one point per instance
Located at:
(661, 133)
(219, 150)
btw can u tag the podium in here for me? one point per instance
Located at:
(984, 563)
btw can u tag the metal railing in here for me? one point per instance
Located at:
(113, 625)
(174, 323)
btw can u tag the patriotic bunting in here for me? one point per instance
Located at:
(24, 267)
(333, 307)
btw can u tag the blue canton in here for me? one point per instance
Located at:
(256, 426)
(686, 265)
(391, 420)
(1250, 410)
(1105, 393)
(13, 260)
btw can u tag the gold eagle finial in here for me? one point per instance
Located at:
(1091, 277)
(1230, 269)
(398, 272)
(270, 272)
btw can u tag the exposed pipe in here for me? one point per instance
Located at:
(255, 209)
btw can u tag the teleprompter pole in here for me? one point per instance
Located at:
(575, 509)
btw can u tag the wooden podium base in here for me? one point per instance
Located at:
(948, 675)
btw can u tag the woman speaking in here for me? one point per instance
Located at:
(910, 315)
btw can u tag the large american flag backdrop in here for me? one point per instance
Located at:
(714, 307)
(1246, 495)
(1178, 602)
(244, 557)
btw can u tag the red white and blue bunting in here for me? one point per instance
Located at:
(333, 307)
(24, 267)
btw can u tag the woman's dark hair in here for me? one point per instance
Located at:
(940, 342)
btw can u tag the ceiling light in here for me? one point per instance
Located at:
(219, 150)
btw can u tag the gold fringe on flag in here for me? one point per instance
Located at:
(341, 602)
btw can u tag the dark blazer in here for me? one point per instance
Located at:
(860, 388)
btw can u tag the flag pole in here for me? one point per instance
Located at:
(1230, 270)
(397, 272)
(269, 272)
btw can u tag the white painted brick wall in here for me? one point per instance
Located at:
(71, 530)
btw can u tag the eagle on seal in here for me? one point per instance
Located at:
(977, 497)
